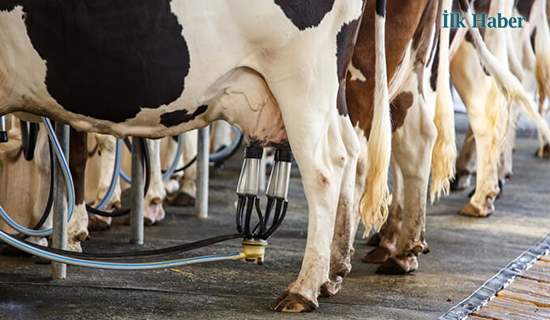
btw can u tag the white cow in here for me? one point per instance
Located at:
(158, 68)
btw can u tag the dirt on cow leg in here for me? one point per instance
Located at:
(388, 242)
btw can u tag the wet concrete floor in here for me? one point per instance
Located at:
(465, 252)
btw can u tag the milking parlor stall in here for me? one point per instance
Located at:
(342, 159)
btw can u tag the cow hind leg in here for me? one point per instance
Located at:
(185, 196)
(321, 153)
(42, 159)
(347, 219)
(153, 210)
(392, 227)
(77, 227)
(413, 158)
(487, 188)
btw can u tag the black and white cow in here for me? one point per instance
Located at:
(275, 69)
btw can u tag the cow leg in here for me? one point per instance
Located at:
(389, 234)
(153, 211)
(186, 194)
(168, 149)
(481, 96)
(413, 156)
(77, 227)
(465, 163)
(481, 203)
(347, 220)
(107, 148)
(506, 158)
(321, 152)
(42, 160)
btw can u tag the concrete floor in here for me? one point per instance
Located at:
(465, 252)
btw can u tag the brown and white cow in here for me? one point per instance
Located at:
(158, 68)
(420, 118)
(486, 107)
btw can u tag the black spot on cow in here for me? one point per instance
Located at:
(524, 7)
(171, 119)
(108, 58)
(464, 5)
(381, 8)
(435, 67)
(305, 13)
(345, 43)
(533, 38)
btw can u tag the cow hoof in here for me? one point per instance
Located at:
(147, 221)
(374, 240)
(461, 182)
(293, 302)
(377, 255)
(82, 236)
(97, 224)
(181, 199)
(544, 152)
(398, 267)
(470, 210)
(330, 288)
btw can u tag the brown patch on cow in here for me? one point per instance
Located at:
(399, 108)
(402, 20)
(78, 156)
(422, 42)
(323, 180)
(524, 7)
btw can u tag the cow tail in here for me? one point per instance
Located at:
(373, 205)
(509, 85)
(542, 53)
(444, 152)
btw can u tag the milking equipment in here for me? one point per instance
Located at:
(248, 189)
(3, 130)
(253, 233)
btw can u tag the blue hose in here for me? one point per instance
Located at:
(70, 188)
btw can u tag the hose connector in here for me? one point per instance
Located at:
(3, 131)
(254, 250)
